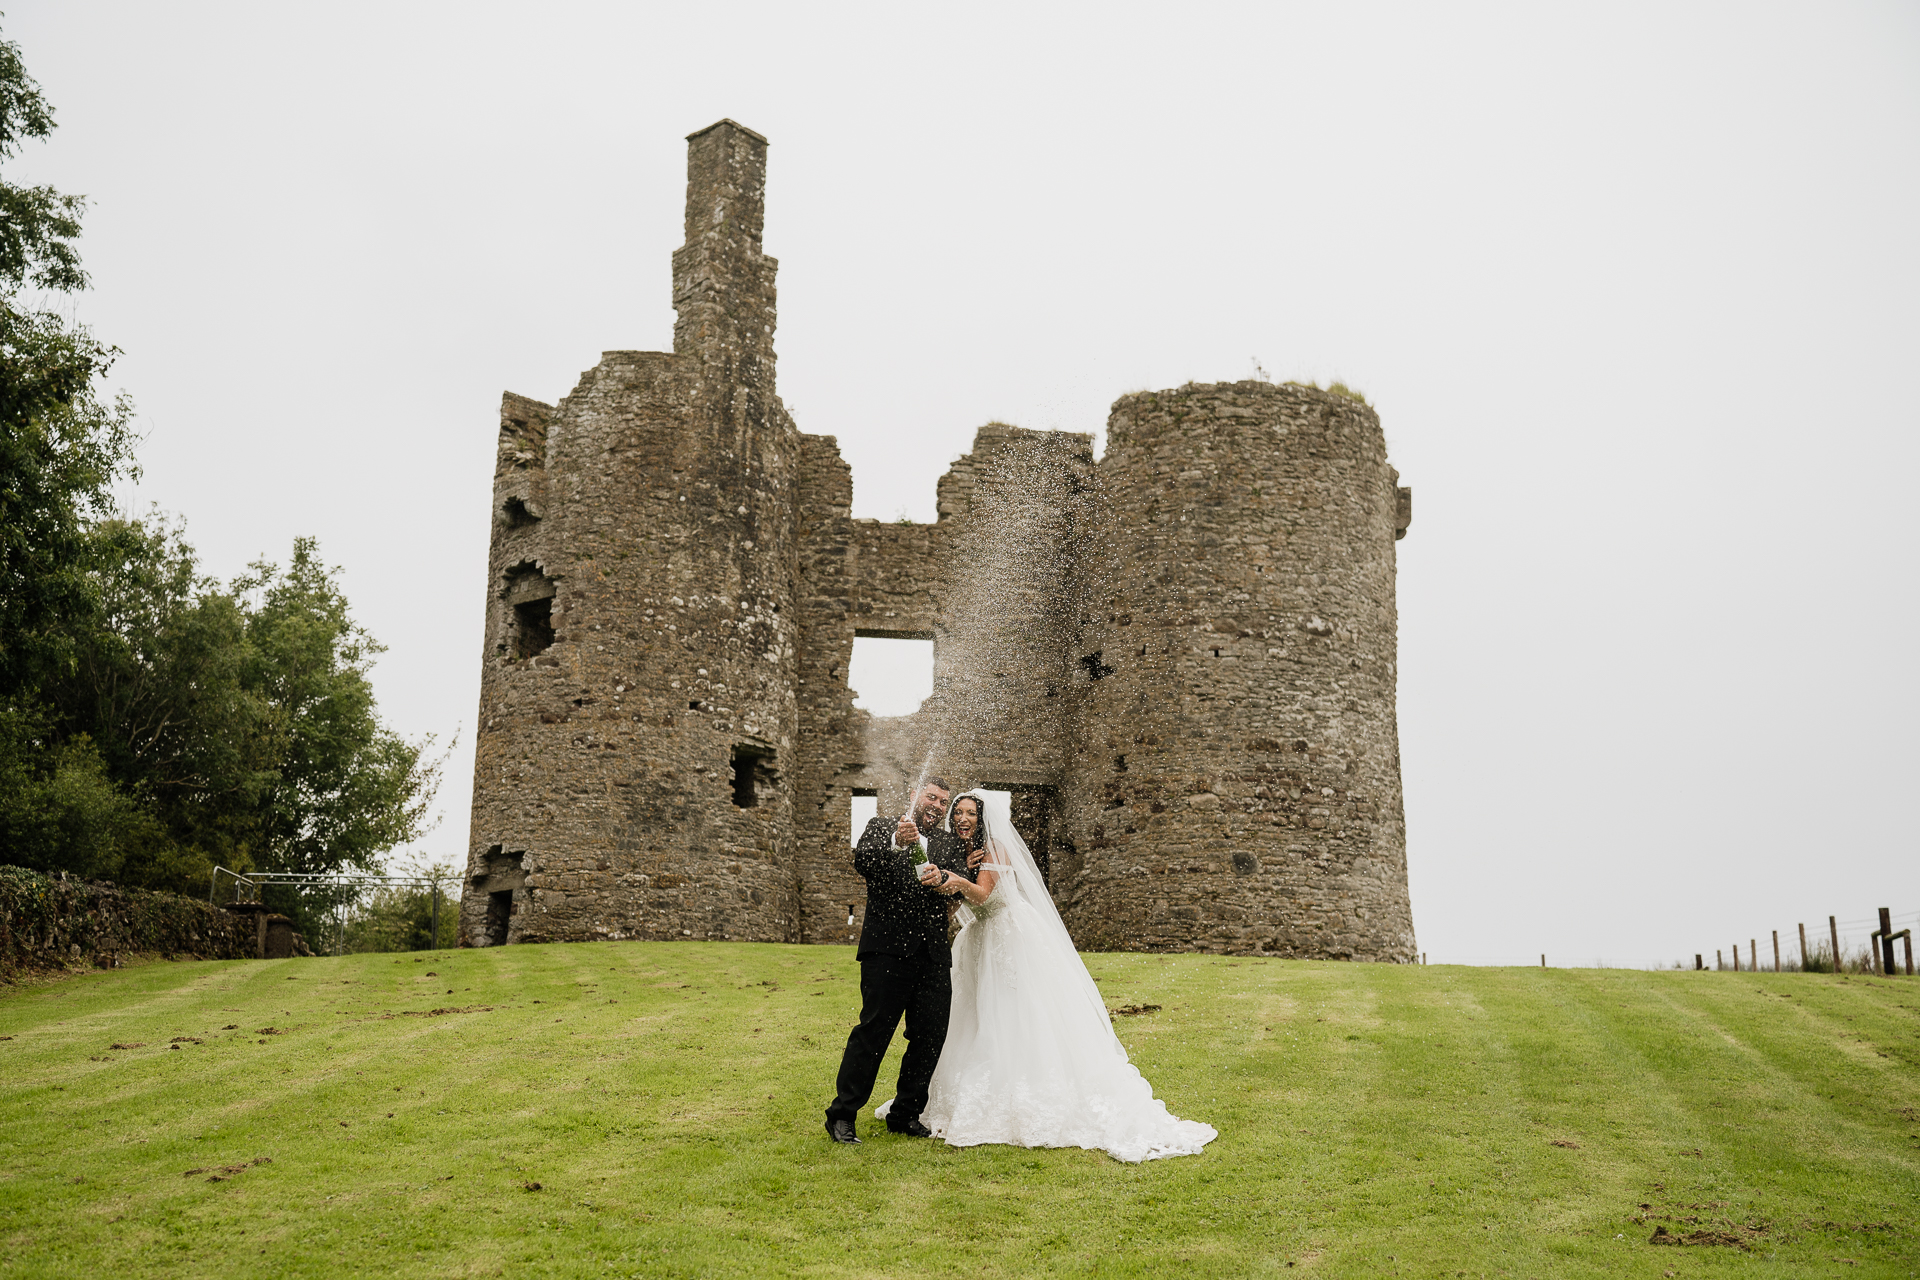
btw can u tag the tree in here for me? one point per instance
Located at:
(37, 224)
(241, 717)
(60, 451)
(152, 722)
(346, 787)
(157, 684)
(60, 448)
(403, 918)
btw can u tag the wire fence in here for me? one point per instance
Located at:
(341, 912)
(1855, 936)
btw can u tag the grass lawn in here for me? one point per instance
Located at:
(666, 1098)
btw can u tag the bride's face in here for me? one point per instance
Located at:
(966, 819)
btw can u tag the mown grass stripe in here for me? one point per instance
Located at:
(667, 1097)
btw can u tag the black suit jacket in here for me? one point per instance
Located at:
(903, 915)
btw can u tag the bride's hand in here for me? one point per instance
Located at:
(977, 857)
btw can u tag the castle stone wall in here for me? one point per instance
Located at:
(1180, 657)
(607, 760)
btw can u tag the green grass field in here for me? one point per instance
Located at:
(666, 1099)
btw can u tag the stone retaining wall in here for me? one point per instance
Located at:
(54, 922)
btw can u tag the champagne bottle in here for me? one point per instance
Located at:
(919, 855)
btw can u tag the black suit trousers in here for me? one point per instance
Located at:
(919, 986)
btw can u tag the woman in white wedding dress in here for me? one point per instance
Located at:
(1031, 1058)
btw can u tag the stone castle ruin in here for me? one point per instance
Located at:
(1179, 658)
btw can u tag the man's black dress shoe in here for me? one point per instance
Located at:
(842, 1131)
(911, 1129)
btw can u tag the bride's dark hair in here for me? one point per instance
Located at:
(979, 821)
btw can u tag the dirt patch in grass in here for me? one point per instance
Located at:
(222, 1172)
(1735, 1237)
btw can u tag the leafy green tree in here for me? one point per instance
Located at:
(347, 788)
(37, 224)
(152, 722)
(402, 918)
(60, 810)
(61, 449)
(157, 683)
(243, 718)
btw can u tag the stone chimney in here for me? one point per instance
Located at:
(722, 284)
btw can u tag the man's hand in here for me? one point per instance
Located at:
(905, 834)
(977, 857)
(930, 875)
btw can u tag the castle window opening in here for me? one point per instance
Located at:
(533, 628)
(890, 674)
(519, 515)
(754, 776)
(529, 597)
(863, 808)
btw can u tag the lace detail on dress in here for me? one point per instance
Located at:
(1003, 882)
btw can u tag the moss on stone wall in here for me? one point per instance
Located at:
(51, 923)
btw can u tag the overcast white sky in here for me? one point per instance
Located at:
(1633, 286)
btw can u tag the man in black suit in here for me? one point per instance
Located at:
(905, 963)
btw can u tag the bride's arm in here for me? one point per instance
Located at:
(974, 892)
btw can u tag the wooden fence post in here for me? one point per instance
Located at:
(1736, 957)
(1776, 951)
(1834, 930)
(1719, 960)
(1543, 959)
(1697, 966)
(1907, 942)
(1886, 942)
(1753, 954)
(1803, 946)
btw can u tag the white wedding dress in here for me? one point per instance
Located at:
(1031, 1058)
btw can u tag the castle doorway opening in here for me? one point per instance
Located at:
(499, 916)
(500, 874)
(1033, 815)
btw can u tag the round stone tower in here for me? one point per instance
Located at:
(1237, 780)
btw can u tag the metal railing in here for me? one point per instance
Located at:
(346, 885)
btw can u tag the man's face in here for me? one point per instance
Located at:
(930, 808)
